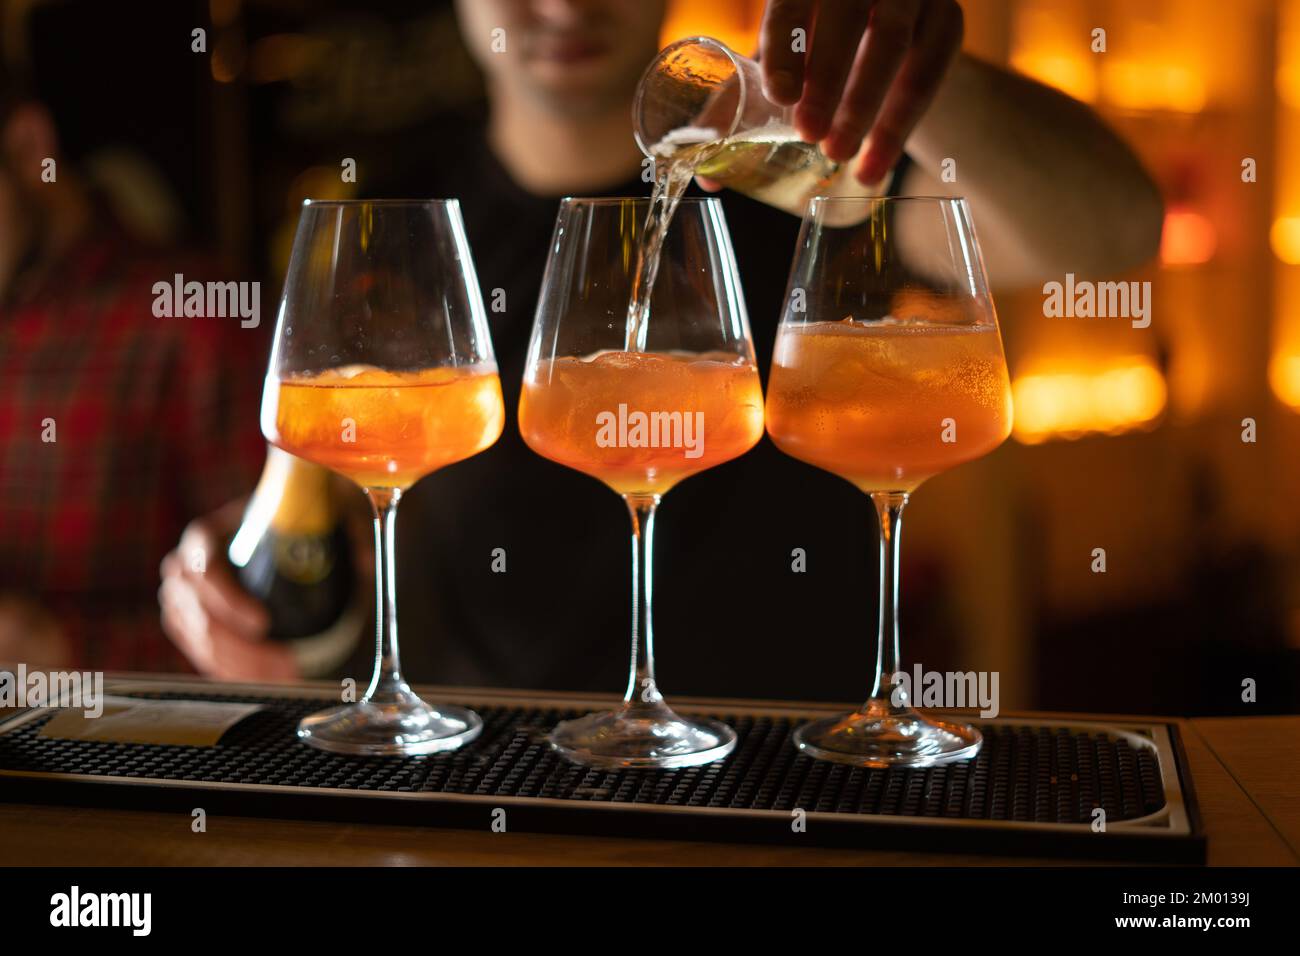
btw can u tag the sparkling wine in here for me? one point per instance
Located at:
(385, 429)
(642, 421)
(886, 404)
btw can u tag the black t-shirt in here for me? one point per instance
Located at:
(731, 616)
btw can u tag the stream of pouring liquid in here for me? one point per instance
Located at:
(674, 168)
(770, 164)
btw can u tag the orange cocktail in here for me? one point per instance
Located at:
(888, 405)
(386, 429)
(642, 421)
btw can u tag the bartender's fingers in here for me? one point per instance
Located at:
(199, 561)
(837, 34)
(185, 623)
(878, 60)
(226, 602)
(935, 45)
(213, 649)
(781, 62)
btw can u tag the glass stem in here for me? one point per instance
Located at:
(642, 692)
(886, 695)
(387, 685)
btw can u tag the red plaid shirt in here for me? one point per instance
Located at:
(154, 422)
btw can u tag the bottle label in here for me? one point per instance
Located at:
(303, 559)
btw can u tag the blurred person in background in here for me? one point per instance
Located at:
(560, 95)
(116, 426)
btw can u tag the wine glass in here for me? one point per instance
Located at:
(888, 369)
(641, 413)
(382, 370)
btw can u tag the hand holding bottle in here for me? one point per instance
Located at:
(262, 620)
(219, 628)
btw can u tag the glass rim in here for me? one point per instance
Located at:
(815, 200)
(701, 40)
(611, 200)
(381, 202)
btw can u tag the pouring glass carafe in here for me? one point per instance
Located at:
(702, 103)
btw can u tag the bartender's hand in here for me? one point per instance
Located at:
(871, 67)
(218, 626)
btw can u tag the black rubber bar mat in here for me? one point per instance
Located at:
(1032, 790)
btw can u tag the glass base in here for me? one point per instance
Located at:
(402, 726)
(896, 737)
(655, 738)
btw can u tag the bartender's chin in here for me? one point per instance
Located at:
(582, 101)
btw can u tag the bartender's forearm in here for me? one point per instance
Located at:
(1053, 189)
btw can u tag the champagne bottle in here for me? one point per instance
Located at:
(292, 552)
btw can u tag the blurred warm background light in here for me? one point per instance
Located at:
(1284, 377)
(734, 22)
(1284, 234)
(1166, 71)
(1069, 72)
(1122, 396)
(1051, 44)
(1140, 84)
(1285, 239)
(1188, 238)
